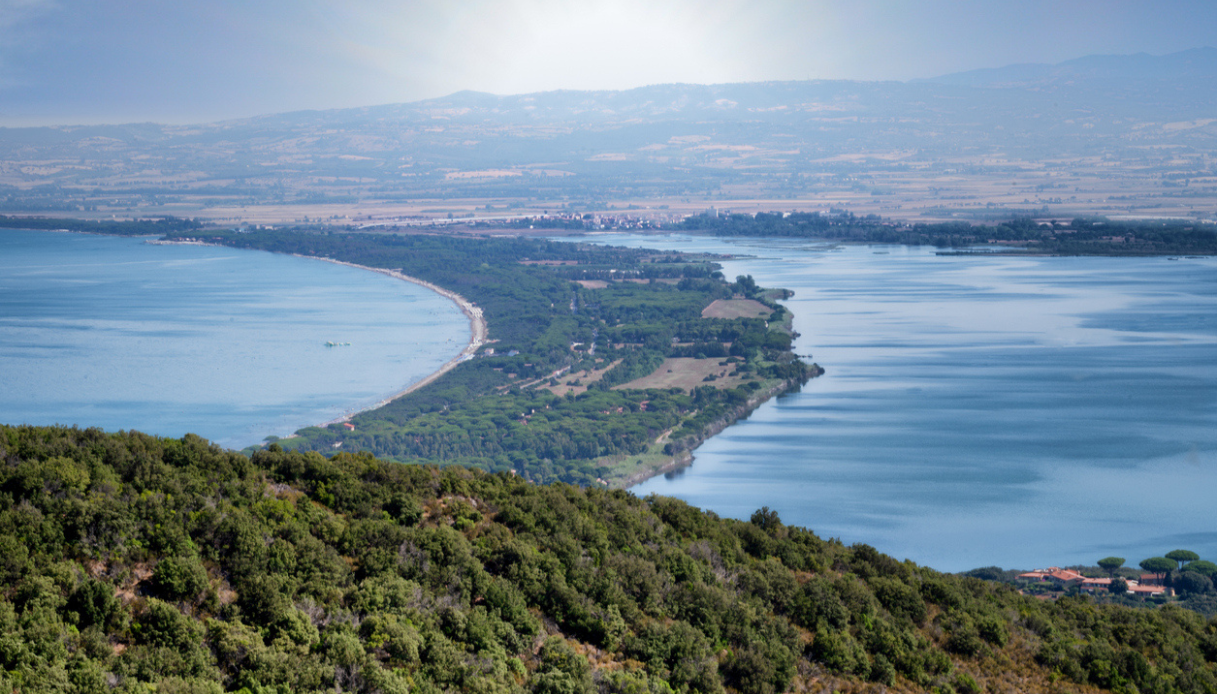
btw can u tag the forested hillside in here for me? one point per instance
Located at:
(137, 564)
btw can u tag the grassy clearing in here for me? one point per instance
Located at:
(582, 379)
(687, 373)
(619, 471)
(736, 308)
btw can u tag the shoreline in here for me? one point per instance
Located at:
(478, 330)
(477, 334)
(685, 458)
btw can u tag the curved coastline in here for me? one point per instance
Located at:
(477, 333)
(478, 337)
(478, 329)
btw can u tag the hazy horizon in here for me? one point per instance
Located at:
(68, 62)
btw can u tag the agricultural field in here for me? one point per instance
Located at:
(736, 308)
(688, 373)
(577, 382)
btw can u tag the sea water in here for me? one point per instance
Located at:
(229, 344)
(978, 410)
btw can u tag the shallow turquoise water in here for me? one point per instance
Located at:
(1022, 412)
(229, 344)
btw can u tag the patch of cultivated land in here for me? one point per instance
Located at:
(687, 373)
(577, 381)
(601, 284)
(735, 308)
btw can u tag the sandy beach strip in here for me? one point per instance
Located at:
(477, 332)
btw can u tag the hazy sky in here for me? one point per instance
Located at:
(108, 61)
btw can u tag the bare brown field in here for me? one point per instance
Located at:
(735, 308)
(686, 373)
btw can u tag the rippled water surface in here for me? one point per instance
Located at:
(228, 344)
(987, 410)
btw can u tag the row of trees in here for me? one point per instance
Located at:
(137, 227)
(1181, 569)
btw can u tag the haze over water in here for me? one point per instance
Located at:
(229, 344)
(993, 410)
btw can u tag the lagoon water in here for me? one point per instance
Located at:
(229, 344)
(992, 410)
(985, 410)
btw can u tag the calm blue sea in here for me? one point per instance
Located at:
(996, 410)
(229, 344)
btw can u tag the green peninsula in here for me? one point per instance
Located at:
(603, 365)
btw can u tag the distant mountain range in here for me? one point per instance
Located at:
(1136, 111)
(1183, 83)
(1190, 68)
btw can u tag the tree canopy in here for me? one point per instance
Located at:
(1110, 564)
(132, 563)
(1158, 565)
(1201, 566)
(1182, 556)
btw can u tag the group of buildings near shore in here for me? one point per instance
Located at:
(1148, 586)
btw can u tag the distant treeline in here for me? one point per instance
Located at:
(1077, 237)
(137, 227)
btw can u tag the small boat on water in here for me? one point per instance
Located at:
(338, 344)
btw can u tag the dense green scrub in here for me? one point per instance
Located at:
(493, 412)
(1078, 237)
(129, 560)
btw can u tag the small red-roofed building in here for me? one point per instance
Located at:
(1095, 585)
(1038, 574)
(1064, 577)
(1150, 591)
